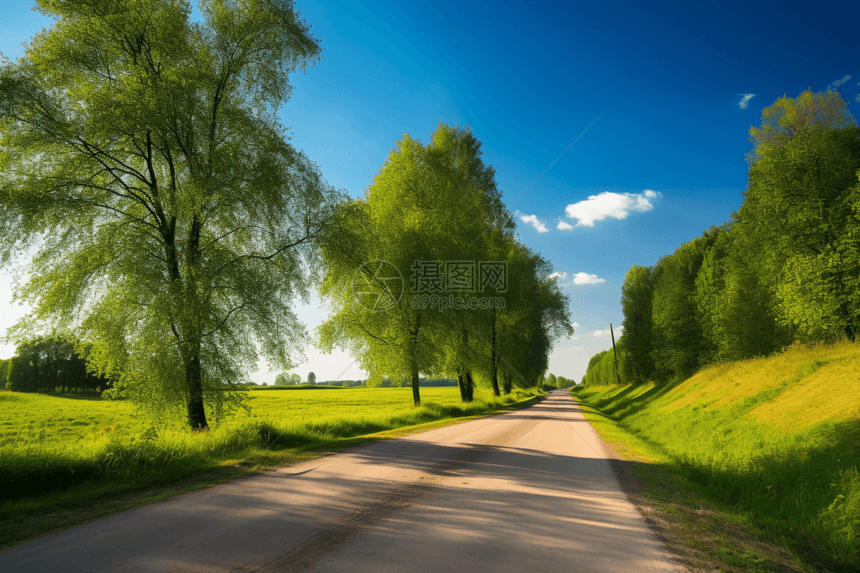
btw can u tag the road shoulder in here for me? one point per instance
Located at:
(700, 536)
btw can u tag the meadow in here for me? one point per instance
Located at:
(775, 441)
(56, 442)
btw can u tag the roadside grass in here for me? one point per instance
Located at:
(67, 461)
(740, 437)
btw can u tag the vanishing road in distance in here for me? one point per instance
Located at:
(527, 490)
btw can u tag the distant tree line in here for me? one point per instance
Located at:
(786, 267)
(50, 364)
(554, 381)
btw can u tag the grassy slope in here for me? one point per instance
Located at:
(773, 441)
(66, 460)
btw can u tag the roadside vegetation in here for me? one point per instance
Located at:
(65, 451)
(773, 441)
(738, 357)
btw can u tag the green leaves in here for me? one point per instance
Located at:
(438, 203)
(143, 157)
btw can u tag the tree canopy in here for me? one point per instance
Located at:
(425, 271)
(785, 267)
(142, 155)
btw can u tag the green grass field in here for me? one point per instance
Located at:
(67, 459)
(776, 441)
(55, 442)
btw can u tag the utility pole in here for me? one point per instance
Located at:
(615, 353)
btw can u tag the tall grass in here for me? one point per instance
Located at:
(50, 442)
(745, 436)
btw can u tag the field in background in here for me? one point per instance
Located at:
(67, 459)
(776, 440)
(53, 442)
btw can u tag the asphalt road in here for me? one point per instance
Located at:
(528, 490)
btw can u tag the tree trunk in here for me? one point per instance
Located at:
(416, 395)
(470, 387)
(194, 381)
(494, 377)
(507, 382)
(462, 385)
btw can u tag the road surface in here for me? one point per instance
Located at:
(527, 490)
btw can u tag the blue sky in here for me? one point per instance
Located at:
(658, 98)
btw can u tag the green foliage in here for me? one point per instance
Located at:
(738, 312)
(51, 364)
(788, 118)
(800, 211)
(786, 267)
(142, 154)
(312, 378)
(799, 486)
(437, 203)
(678, 338)
(637, 363)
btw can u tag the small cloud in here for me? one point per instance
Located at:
(745, 100)
(838, 83)
(564, 226)
(534, 222)
(604, 333)
(608, 204)
(560, 275)
(575, 325)
(858, 96)
(587, 279)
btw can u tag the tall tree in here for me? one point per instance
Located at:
(636, 302)
(797, 213)
(738, 311)
(679, 344)
(414, 239)
(790, 117)
(176, 221)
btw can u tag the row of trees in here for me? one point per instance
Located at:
(175, 225)
(50, 364)
(786, 267)
(426, 275)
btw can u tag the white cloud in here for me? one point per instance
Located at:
(560, 275)
(838, 83)
(608, 204)
(604, 333)
(745, 100)
(587, 279)
(534, 222)
(575, 325)
(564, 226)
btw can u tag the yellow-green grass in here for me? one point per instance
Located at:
(54, 442)
(776, 440)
